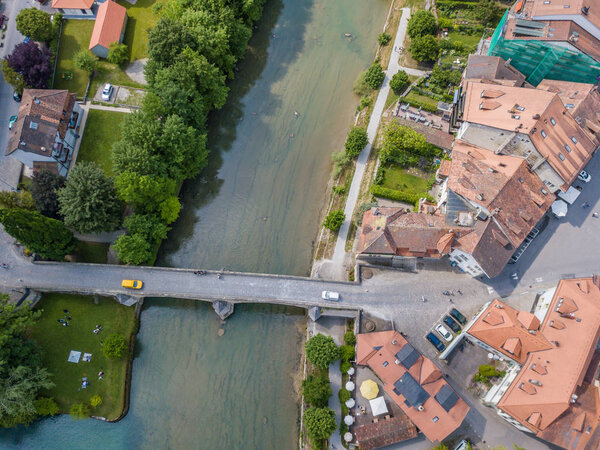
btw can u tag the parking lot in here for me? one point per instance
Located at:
(121, 95)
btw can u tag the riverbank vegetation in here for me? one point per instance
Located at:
(56, 341)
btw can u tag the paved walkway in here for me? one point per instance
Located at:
(339, 253)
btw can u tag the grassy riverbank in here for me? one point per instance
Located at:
(57, 341)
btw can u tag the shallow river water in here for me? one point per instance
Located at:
(255, 208)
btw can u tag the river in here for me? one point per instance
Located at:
(255, 208)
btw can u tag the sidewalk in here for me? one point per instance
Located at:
(339, 253)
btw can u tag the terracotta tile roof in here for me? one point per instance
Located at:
(109, 24)
(511, 194)
(538, 113)
(42, 113)
(547, 10)
(72, 4)
(385, 432)
(421, 391)
(45, 165)
(499, 327)
(559, 372)
(444, 169)
(483, 67)
(394, 231)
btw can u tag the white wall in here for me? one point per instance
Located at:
(466, 262)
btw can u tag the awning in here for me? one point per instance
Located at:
(369, 389)
(378, 406)
(559, 208)
(570, 196)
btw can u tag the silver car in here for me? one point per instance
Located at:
(443, 332)
(107, 92)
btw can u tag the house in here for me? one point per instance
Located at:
(552, 390)
(488, 68)
(532, 124)
(391, 234)
(46, 130)
(109, 27)
(413, 382)
(75, 9)
(550, 39)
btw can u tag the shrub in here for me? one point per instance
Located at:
(46, 406)
(347, 352)
(79, 411)
(350, 337)
(384, 38)
(418, 104)
(365, 102)
(399, 196)
(334, 220)
(488, 371)
(85, 60)
(95, 401)
(340, 161)
(345, 366)
(316, 390)
(361, 87)
(355, 142)
(339, 190)
(118, 54)
(344, 395)
(399, 82)
(422, 23)
(322, 351)
(374, 76)
(358, 218)
(114, 346)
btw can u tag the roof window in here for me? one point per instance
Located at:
(570, 105)
(546, 2)
(520, 108)
(435, 419)
(520, 180)
(574, 139)
(385, 364)
(567, 148)
(543, 133)
(552, 121)
(561, 157)
(515, 116)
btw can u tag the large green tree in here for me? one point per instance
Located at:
(322, 351)
(424, 48)
(12, 77)
(400, 142)
(36, 24)
(355, 142)
(374, 76)
(47, 237)
(400, 82)
(316, 390)
(147, 225)
(89, 201)
(85, 60)
(422, 23)
(118, 54)
(133, 248)
(319, 423)
(44, 189)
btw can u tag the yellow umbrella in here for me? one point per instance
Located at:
(369, 389)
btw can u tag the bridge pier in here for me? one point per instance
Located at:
(127, 300)
(222, 308)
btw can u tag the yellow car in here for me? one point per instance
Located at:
(132, 284)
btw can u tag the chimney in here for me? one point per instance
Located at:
(585, 10)
(36, 100)
(394, 342)
(420, 408)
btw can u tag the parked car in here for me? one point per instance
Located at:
(16, 97)
(331, 296)
(584, 176)
(439, 345)
(443, 332)
(463, 445)
(132, 284)
(458, 316)
(451, 324)
(11, 122)
(3, 19)
(26, 40)
(107, 91)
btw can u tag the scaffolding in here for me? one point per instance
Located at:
(539, 60)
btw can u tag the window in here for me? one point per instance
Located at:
(436, 418)
(543, 133)
(385, 364)
(573, 139)
(567, 148)
(520, 180)
(83, 11)
(560, 155)
(552, 121)
(520, 108)
(515, 116)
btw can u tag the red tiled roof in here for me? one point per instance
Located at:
(109, 24)
(385, 432)
(72, 4)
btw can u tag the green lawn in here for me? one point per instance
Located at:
(102, 130)
(91, 252)
(422, 98)
(397, 178)
(140, 20)
(470, 41)
(57, 341)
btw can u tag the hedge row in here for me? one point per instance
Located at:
(399, 196)
(418, 104)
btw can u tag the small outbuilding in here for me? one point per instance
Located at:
(109, 27)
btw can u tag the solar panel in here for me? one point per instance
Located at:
(530, 23)
(528, 31)
(407, 356)
(412, 391)
(447, 398)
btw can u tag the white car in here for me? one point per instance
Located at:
(443, 332)
(584, 176)
(107, 92)
(331, 296)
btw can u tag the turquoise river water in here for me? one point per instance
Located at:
(256, 208)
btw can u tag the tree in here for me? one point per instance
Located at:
(316, 390)
(169, 209)
(322, 351)
(114, 346)
(488, 12)
(89, 200)
(14, 199)
(133, 248)
(319, 423)
(384, 38)
(47, 237)
(400, 82)
(374, 76)
(79, 411)
(12, 77)
(33, 63)
(357, 140)
(334, 220)
(145, 192)
(46, 406)
(118, 54)
(18, 392)
(146, 225)
(400, 142)
(36, 24)
(95, 401)
(44, 190)
(85, 60)
(424, 48)
(422, 23)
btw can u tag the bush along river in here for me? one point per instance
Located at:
(255, 208)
